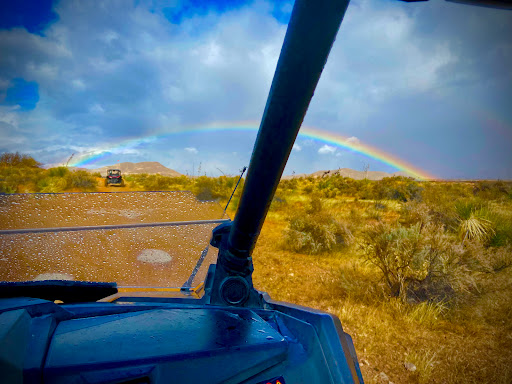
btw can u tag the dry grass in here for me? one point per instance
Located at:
(465, 342)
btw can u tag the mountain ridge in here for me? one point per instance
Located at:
(154, 167)
(129, 168)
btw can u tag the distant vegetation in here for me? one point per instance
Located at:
(22, 173)
(205, 188)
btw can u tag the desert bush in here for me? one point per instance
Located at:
(502, 234)
(58, 172)
(52, 184)
(155, 182)
(314, 231)
(8, 185)
(413, 213)
(398, 188)
(290, 184)
(492, 190)
(417, 263)
(208, 188)
(18, 160)
(487, 260)
(97, 174)
(278, 202)
(19, 173)
(443, 194)
(82, 180)
(308, 189)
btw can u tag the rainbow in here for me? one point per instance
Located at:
(322, 136)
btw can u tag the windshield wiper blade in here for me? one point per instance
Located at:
(64, 290)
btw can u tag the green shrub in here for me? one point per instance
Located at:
(52, 184)
(155, 182)
(492, 190)
(417, 263)
(58, 172)
(81, 179)
(398, 188)
(308, 189)
(277, 203)
(502, 233)
(18, 160)
(313, 231)
(207, 188)
(316, 233)
(8, 185)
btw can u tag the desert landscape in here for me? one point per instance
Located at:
(419, 272)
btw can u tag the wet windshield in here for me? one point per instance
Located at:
(134, 238)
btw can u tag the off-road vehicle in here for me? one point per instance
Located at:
(114, 178)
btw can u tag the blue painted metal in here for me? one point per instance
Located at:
(162, 342)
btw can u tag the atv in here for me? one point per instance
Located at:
(114, 178)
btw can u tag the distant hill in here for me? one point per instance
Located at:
(347, 172)
(149, 167)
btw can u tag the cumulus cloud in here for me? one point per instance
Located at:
(192, 150)
(135, 78)
(327, 150)
(296, 147)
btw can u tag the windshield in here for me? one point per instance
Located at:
(144, 239)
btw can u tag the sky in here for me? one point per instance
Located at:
(184, 83)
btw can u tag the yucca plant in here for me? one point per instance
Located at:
(474, 223)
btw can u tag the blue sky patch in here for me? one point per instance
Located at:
(22, 93)
(200, 7)
(33, 15)
(281, 11)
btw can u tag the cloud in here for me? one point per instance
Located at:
(130, 79)
(353, 140)
(327, 150)
(96, 108)
(192, 150)
(296, 147)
